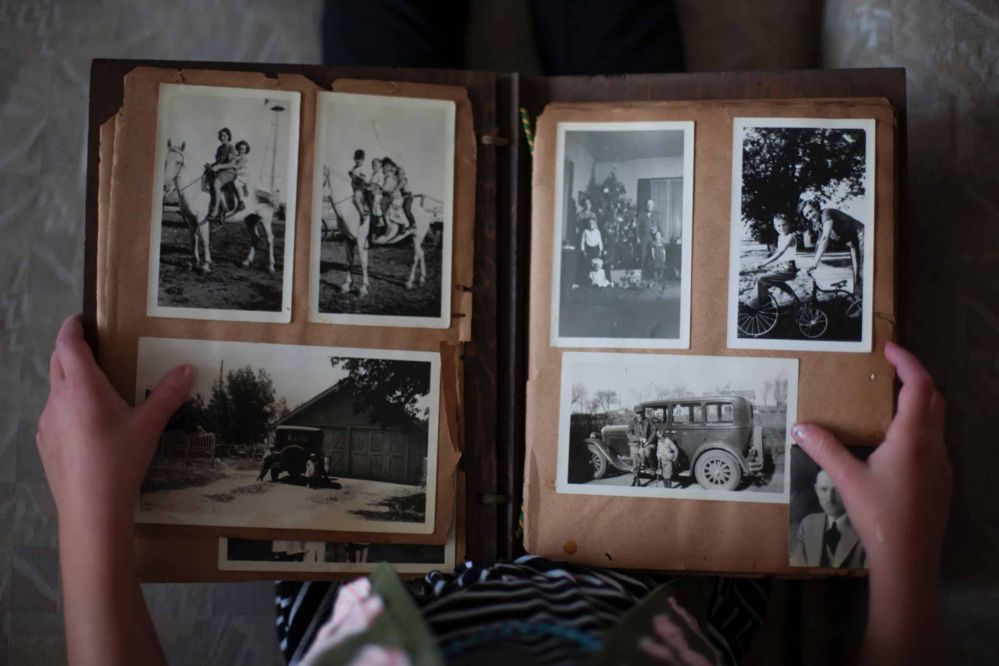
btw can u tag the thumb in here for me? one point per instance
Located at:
(170, 393)
(829, 453)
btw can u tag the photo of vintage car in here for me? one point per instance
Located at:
(720, 441)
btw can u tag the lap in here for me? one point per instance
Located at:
(627, 36)
(406, 33)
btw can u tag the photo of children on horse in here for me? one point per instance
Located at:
(384, 196)
(225, 178)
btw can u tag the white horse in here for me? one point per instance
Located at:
(354, 227)
(423, 217)
(195, 205)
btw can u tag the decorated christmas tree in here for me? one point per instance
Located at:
(616, 219)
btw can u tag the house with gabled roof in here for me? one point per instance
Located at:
(353, 443)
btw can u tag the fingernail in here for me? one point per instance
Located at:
(186, 371)
(72, 328)
(797, 431)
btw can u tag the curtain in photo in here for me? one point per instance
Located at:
(668, 195)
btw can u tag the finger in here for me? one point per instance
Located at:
(829, 454)
(658, 651)
(170, 393)
(57, 375)
(935, 420)
(74, 353)
(917, 385)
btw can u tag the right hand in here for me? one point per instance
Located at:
(899, 499)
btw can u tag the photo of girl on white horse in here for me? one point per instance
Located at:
(227, 169)
(382, 209)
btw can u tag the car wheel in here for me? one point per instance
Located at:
(598, 464)
(717, 470)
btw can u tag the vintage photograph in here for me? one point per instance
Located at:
(801, 258)
(382, 211)
(318, 556)
(623, 211)
(297, 437)
(222, 233)
(820, 533)
(693, 427)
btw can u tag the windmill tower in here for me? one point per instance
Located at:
(268, 166)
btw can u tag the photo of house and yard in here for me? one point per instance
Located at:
(290, 436)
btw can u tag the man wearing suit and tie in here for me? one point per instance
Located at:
(828, 539)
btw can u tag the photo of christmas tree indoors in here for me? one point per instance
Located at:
(622, 259)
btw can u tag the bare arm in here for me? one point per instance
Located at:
(783, 244)
(820, 246)
(898, 501)
(95, 450)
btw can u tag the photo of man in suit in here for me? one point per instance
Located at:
(828, 539)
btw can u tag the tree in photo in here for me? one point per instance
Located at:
(578, 397)
(780, 391)
(242, 406)
(388, 389)
(617, 219)
(605, 400)
(191, 416)
(780, 165)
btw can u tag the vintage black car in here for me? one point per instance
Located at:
(294, 445)
(719, 437)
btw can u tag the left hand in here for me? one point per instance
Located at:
(94, 447)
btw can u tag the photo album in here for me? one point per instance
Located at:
(444, 315)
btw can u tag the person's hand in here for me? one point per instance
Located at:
(899, 499)
(94, 447)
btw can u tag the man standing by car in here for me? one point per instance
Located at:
(639, 433)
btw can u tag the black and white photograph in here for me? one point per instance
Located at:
(801, 255)
(691, 427)
(297, 437)
(320, 556)
(623, 214)
(222, 235)
(382, 219)
(820, 533)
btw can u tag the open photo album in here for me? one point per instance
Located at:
(442, 315)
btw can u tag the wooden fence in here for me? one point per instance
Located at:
(187, 445)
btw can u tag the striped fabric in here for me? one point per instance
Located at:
(532, 610)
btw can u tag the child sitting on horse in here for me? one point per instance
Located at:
(359, 184)
(224, 170)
